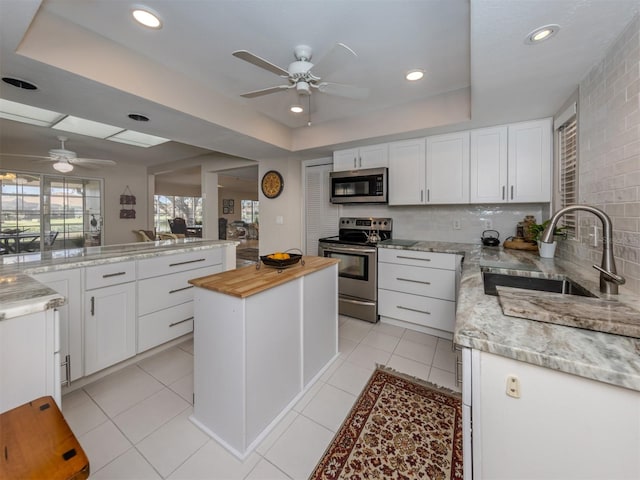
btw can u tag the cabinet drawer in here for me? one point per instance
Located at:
(445, 261)
(165, 264)
(109, 274)
(157, 293)
(160, 327)
(429, 282)
(426, 311)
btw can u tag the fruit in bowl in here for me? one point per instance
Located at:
(279, 256)
(280, 259)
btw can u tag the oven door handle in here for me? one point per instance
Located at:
(349, 250)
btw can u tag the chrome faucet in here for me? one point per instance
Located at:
(609, 278)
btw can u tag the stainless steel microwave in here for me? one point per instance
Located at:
(359, 186)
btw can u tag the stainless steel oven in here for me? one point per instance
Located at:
(355, 247)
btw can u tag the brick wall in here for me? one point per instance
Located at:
(609, 156)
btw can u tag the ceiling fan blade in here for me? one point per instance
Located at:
(265, 91)
(346, 91)
(333, 60)
(91, 161)
(260, 62)
(26, 156)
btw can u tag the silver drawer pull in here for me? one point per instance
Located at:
(414, 258)
(413, 309)
(185, 263)
(117, 274)
(67, 370)
(414, 281)
(181, 321)
(181, 289)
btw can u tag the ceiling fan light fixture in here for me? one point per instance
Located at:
(145, 16)
(541, 34)
(296, 108)
(414, 75)
(63, 166)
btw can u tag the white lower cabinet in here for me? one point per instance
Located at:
(69, 284)
(109, 315)
(29, 358)
(418, 289)
(561, 426)
(165, 297)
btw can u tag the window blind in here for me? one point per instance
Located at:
(567, 136)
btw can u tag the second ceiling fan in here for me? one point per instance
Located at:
(305, 76)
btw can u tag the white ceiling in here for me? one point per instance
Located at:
(91, 60)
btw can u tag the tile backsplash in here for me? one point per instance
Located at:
(609, 156)
(435, 222)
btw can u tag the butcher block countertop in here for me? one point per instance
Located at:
(246, 281)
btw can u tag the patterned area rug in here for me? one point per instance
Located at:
(399, 428)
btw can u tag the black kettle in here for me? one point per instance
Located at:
(489, 240)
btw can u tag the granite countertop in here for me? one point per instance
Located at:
(247, 281)
(20, 294)
(481, 324)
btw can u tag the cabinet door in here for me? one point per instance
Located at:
(345, 159)
(488, 171)
(374, 156)
(448, 168)
(110, 326)
(530, 161)
(27, 357)
(68, 283)
(407, 172)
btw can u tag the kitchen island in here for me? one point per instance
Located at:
(262, 338)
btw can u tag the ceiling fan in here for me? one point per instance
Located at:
(66, 159)
(305, 76)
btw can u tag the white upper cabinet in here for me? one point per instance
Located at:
(511, 163)
(371, 156)
(407, 172)
(431, 171)
(448, 168)
(530, 161)
(489, 165)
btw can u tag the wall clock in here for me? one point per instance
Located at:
(272, 184)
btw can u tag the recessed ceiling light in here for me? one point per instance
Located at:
(16, 82)
(146, 17)
(413, 75)
(138, 117)
(296, 108)
(541, 34)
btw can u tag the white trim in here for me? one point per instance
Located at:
(565, 116)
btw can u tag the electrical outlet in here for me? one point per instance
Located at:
(487, 224)
(456, 225)
(513, 386)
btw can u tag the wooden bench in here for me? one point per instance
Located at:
(37, 443)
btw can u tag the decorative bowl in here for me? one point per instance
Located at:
(272, 262)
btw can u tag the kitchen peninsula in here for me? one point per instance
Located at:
(109, 304)
(262, 338)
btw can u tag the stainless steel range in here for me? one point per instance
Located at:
(355, 247)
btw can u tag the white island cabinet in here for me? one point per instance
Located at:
(531, 422)
(261, 339)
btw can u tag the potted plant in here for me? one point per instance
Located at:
(546, 250)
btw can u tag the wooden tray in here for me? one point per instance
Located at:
(519, 244)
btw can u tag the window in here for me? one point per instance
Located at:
(250, 211)
(42, 212)
(568, 171)
(169, 206)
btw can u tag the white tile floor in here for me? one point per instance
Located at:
(134, 423)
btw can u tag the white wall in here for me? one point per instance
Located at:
(288, 205)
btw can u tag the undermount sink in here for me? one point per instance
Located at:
(565, 286)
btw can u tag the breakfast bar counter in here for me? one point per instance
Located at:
(262, 337)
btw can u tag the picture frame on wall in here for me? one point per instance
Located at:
(225, 210)
(225, 202)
